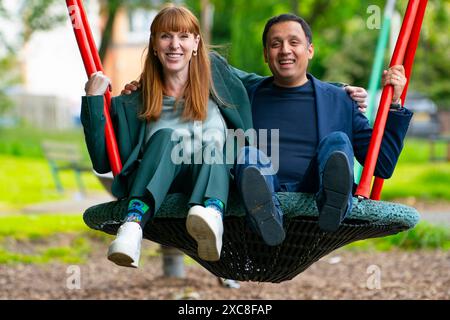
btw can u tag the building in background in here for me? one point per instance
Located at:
(52, 70)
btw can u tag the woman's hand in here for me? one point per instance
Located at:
(97, 84)
(359, 95)
(395, 76)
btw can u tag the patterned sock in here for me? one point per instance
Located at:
(137, 212)
(215, 204)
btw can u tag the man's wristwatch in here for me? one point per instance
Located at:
(396, 106)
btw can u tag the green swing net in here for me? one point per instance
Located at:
(244, 256)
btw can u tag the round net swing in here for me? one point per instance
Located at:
(244, 255)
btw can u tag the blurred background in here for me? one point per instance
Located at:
(46, 180)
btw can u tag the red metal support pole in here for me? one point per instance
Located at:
(377, 188)
(413, 44)
(408, 64)
(363, 189)
(80, 35)
(89, 36)
(92, 64)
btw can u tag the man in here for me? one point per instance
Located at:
(320, 131)
(320, 128)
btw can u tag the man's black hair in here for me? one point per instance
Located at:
(283, 18)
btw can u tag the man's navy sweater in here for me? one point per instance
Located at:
(293, 112)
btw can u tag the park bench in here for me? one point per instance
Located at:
(65, 156)
(433, 150)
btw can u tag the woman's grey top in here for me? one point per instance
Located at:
(193, 136)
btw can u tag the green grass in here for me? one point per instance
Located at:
(77, 252)
(418, 151)
(25, 177)
(26, 141)
(39, 229)
(28, 180)
(22, 227)
(421, 181)
(415, 176)
(423, 236)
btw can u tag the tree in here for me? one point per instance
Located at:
(344, 46)
(38, 15)
(431, 72)
(35, 16)
(351, 60)
(247, 23)
(109, 10)
(206, 19)
(9, 76)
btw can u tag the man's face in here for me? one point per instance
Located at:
(288, 52)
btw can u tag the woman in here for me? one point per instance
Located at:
(152, 126)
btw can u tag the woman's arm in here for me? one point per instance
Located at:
(93, 121)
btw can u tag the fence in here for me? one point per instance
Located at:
(46, 112)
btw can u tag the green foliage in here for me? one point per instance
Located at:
(423, 236)
(431, 74)
(221, 30)
(248, 22)
(8, 76)
(3, 15)
(39, 15)
(344, 45)
(350, 64)
(335, 28)
(2, 9)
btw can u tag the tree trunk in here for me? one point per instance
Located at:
(318, 9)
(295, 6)
(112, 7)
(207, 11)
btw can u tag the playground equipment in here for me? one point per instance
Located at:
(244, 255)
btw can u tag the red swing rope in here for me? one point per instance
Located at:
(407, 63)
(92, 64)
(403, 54)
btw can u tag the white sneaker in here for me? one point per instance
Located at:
(126, 249)
(206, 227)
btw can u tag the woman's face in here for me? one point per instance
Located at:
(175, 49)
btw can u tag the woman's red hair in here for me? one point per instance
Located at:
(196, 93)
